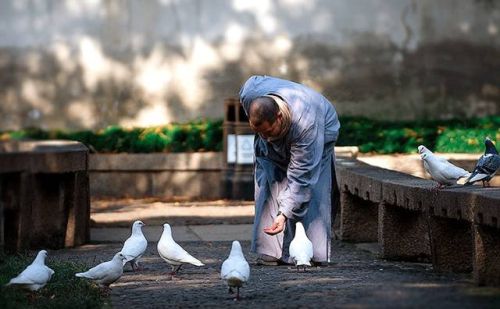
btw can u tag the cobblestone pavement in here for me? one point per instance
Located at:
(354, 279)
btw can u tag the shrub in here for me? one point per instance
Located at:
(459, 135)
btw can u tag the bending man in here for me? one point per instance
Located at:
(294, 166)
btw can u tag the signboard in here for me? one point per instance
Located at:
(231, 148)
(244, 152)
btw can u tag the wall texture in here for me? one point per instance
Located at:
(89, 64)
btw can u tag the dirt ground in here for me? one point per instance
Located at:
(354, 279)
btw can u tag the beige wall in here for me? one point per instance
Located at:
(89, 64)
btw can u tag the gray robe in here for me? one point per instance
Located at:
(294, 174)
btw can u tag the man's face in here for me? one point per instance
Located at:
(268, 131)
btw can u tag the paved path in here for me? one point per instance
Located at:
(356, 278)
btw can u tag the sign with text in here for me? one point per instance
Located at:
(244, 152)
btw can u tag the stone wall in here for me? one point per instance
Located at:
(89, 64)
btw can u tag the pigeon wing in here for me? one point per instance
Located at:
(98, 272)
(486, 166)
(235, 267)
(33, 274)
(134, 248)
(174, 252)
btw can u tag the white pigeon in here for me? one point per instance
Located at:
(235, 270)
(36, 275)
(301, 248)
(442, 171)
(486, 166)
(172, 253)
(107, 272)
(135, 246)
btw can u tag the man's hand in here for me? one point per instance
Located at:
(277, 226)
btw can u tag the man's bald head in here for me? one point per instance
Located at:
(263, 109)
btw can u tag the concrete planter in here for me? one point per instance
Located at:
(190, 175)
(187, 175)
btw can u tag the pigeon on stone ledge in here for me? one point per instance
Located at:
(486, 166)
(442, 171)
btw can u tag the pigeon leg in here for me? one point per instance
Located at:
(237, 293)
(175, 270)
(138, 266)
(132, 263)
(230, 291)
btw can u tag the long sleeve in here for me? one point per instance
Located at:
(303, 169)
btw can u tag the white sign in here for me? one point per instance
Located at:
(244, 153)
(231, 148)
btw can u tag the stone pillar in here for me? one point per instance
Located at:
(358, 219)
(403, 234)
(451, 244)
(77, 203)
(486, 255)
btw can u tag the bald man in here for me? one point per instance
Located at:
(296, 130)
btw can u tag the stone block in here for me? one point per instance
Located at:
(403, 234)
(44, 194)
(451, 244)
(486, 255)
(358, 218)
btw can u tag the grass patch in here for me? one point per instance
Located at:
(64, 290)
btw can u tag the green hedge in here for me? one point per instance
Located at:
(187, 137)
(465, 135)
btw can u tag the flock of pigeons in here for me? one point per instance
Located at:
(447, 174)
(235, 270)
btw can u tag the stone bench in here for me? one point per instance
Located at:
(457, 228)
(44, 194)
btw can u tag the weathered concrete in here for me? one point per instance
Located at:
(44, 194)
(416, 220)
(74, 64)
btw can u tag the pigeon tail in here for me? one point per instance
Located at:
(83, 275)
(194, 261)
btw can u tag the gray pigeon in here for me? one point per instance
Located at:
(135, 246)
(172, 253)
(487, 165)
(442, 171)
(235, 270)
(301, 248)
(107, 272)
(35, 276)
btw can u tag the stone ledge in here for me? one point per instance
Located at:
(43, 156)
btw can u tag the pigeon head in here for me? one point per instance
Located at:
(236, 248)
(120, 256)
(41, 256)
(299, 228)
(422, 149)
(490, 147)
(136, 227)
(139, 223)
(167, 228)
(424, 155)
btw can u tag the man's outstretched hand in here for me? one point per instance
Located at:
(277, 226)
